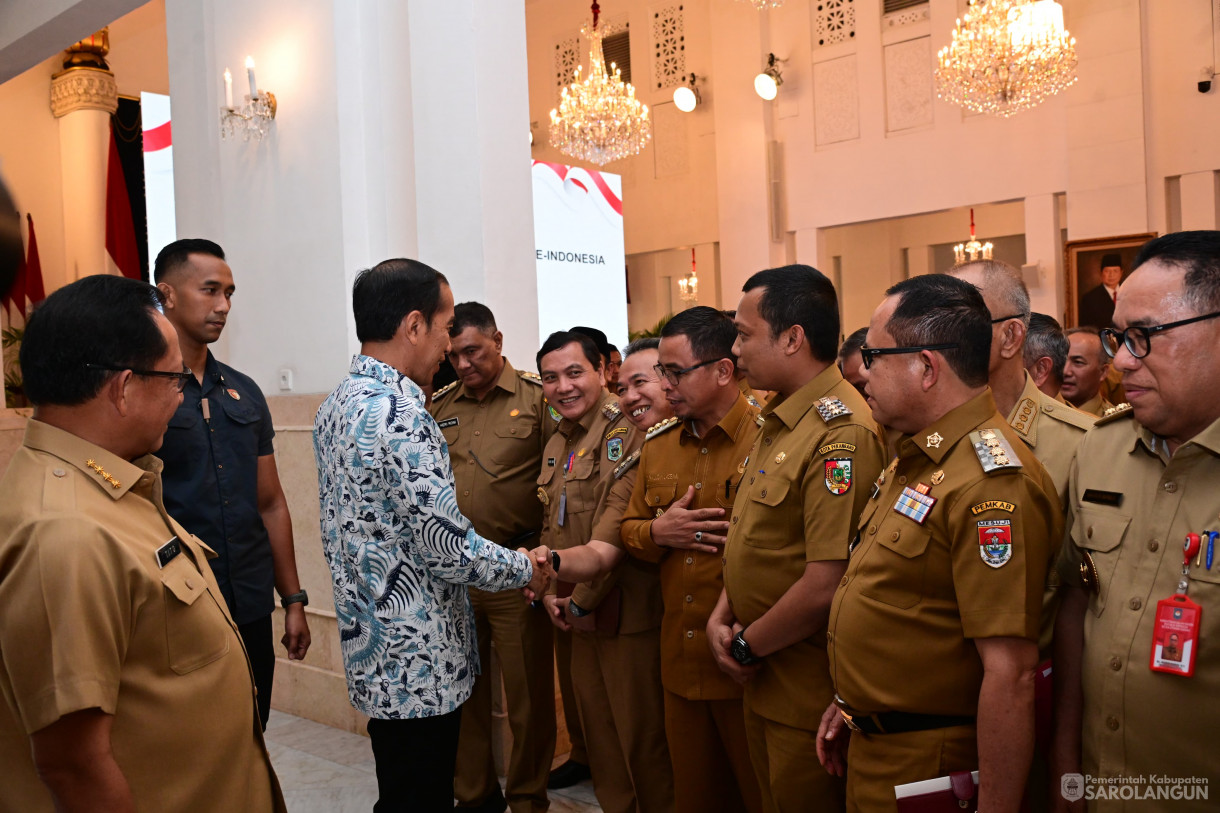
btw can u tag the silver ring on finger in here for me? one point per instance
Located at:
(698, 536)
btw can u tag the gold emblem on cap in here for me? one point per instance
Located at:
(938, 477)
(934, 440)
(514, 413)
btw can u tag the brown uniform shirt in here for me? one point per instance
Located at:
(921, 584)
(577, 473)
(495, 446)
(98, 612)
(639, 579)
(1096, 406)
(1050, 429)
(800, 503)
(673, 460)
(1131, 507)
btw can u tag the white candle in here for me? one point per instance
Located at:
(228, 89)
(250, 75)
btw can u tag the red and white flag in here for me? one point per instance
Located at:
(124, 256)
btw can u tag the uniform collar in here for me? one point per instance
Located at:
(1024, 415)
(1209, 439)
(369, 367)
(732, 424)
(790, 410)
(1094, 405)
(936, 440)
(507, 382)
(80, 453)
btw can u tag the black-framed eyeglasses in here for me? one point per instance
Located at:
(674, 376)
(867, 354)
(1138, 338)
(1006, 318)
(180, 378)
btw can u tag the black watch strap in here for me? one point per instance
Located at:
(555, 561)
(301, 598)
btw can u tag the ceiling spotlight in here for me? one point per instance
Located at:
(767, 83)
(686, 97)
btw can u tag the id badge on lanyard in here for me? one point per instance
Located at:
(1175, 631)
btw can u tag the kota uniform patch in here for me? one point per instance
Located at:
(995, 541)
(838, 475)
(614, 449)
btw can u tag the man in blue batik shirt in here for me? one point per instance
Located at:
(400, 552)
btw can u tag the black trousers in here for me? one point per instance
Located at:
(257, 637)
(415, 762)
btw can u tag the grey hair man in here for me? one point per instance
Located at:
(1045, 353)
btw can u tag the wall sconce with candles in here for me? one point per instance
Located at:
(254, 118)
(687, 96)
(767, 83)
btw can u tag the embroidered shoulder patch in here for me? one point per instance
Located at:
(831, 408)
(993, 505)
(614, 449)
(995, 541)
(993, 450)
(837, 447)
(838, 475)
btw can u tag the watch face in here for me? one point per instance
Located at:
(740, 650)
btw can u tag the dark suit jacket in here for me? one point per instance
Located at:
(1097, 308)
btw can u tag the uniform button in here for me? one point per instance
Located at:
(470, 462)
(872, 529)
(690, 560)
(465, 493)
(703, 451)
(843, 582)
(1153, 545)
(1135, 604)
(689, 599)
(1112, 723)
(221, 466)
(902, 481)
(698, 486)
(751, 479)
(767, 441)
(1089, 532)
(1171, 486)
(691, 634)
(764, 492)
(1116, 664)
(734, 520)
(477, 433)
(190, 584)
(510, 431)
(894, 536)
(59, 472)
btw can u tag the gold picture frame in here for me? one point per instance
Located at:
(1082, 271)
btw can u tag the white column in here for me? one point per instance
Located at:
(1044, 248)
(1199, 192)
(83, 100)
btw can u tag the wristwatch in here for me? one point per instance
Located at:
(555, 561)
(576, 610)
(740, 650)
(301, 598)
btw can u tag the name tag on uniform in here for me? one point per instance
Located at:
(167, 552)
(1114, 498)
(448, 422)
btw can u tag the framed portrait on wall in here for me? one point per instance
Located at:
(1093, 270)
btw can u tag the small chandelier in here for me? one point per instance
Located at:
(688, 286)
(599, 119)
(1007, 56)
(973, 250)
(764, 5)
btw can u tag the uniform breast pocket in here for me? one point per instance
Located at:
(660, 495)
(244, 415)
(767, 529)
(1099, 534)
(516, 445)
(581, 485)
(895, 574)
(196, 631)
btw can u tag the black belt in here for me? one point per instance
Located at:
(898, 722)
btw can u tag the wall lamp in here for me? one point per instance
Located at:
(687, 96)
(254, 118)
(767, 83)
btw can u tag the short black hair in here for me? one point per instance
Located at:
(383, 295)
(650, 343)
(1046, 338)
(852, 344)
(472, 314)
(942, 309)
(711, 334)
(1198, 254)
(177, 254)
(599, 339)
(99, 319)
(562, 338)
(800, 295)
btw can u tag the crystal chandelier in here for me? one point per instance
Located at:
(598, 118)
(764, 5)
(1006, 56)
(973, 250)
(688, 286)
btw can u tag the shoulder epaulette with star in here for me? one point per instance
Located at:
(1115, 413)
(533, 378)
(752, 401)
(628, 462)
(831, 408)
(661, 428)
(445, 390)
(1069, 415)
(993, 450)
(611, 410)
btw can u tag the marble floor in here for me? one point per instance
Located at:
(325, 770)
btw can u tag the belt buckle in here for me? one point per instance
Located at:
(850, 722)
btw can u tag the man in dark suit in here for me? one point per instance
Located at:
(1097, 305)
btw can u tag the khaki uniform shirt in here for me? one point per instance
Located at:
(1097, 405)
(917, 592)
(100, 613)
(1131, 507)
(495, 446)
(800, 503)
(672, 461)
(577, 473)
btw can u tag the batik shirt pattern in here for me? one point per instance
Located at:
(400, 552)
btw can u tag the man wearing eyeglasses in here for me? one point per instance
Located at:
(1144, 479)
(933, 631)
(220, 478)
(802, 490)
(124, 682)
